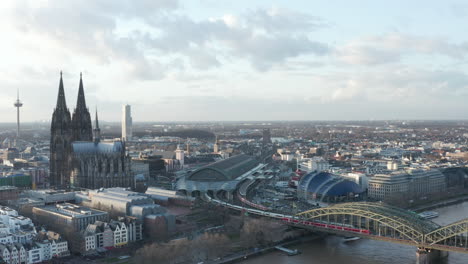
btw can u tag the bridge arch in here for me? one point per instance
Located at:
(406, 223)
(447, 232)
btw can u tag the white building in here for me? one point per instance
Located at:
(35, 254)
(5, 253)
(45, 247)
(287, 156)
(415, 183)
(45, 250)
(314, 164)
(5, 235)
(90, 242)
(392, 165)
(21, 229)
(358, 178)
(22, 253)
(58, 246)
(127, 126)
(116, 233)
(14, 254)
(120, 233)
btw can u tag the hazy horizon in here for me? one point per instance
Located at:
(254, 121)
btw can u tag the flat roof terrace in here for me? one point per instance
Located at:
(71, 210)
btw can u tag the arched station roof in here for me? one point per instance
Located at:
(225, 170)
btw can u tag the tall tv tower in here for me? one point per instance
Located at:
(18, 104)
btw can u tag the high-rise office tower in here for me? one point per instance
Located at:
(127, 129)
(180, 155)
(18, 104)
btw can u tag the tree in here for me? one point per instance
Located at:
(261, 232)
(206, 246)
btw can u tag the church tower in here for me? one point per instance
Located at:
(81, 120)
(60, 141)
(97, 131)
(216, 145)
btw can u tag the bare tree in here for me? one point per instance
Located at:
(261, 232)
(207, 246)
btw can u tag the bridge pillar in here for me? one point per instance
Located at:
(428, 256)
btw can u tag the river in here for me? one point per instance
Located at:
(332, 249)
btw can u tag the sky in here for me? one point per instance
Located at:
(215, 60)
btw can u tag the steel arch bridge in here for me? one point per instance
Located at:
(453, 234)
(383, 222)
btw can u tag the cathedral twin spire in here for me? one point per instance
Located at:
(61, 103)
(81, 125)
(81, 119)
(61, 120)
(66, 129)
(81, 101)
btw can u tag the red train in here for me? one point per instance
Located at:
(254, 205)
(348, 228)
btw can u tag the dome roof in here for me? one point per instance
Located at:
(327, 184)
(343, 188)
(318, 180)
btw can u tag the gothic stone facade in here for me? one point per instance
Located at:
(60, 141)
(100, 164)
(75, 158)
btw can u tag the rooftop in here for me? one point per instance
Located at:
(101, 147)
(72, 210)
(7, 188)
(224, 170)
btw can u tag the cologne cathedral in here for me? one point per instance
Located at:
(78, 156)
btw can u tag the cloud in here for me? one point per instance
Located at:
(262, 63)
(141, 35)
(278, 20)
(91, 29)
(253, 37)
(267, 51)
(393, 47)
(202, 59)
(398, 84)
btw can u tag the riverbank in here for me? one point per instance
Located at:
(248, 254)
(255, 252)
(332, 249)
(443, 203)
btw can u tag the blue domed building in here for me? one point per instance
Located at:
(327, 187)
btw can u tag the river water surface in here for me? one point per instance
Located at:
(332, 249)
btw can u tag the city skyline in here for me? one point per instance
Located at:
(220, 131)
(218, 60)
